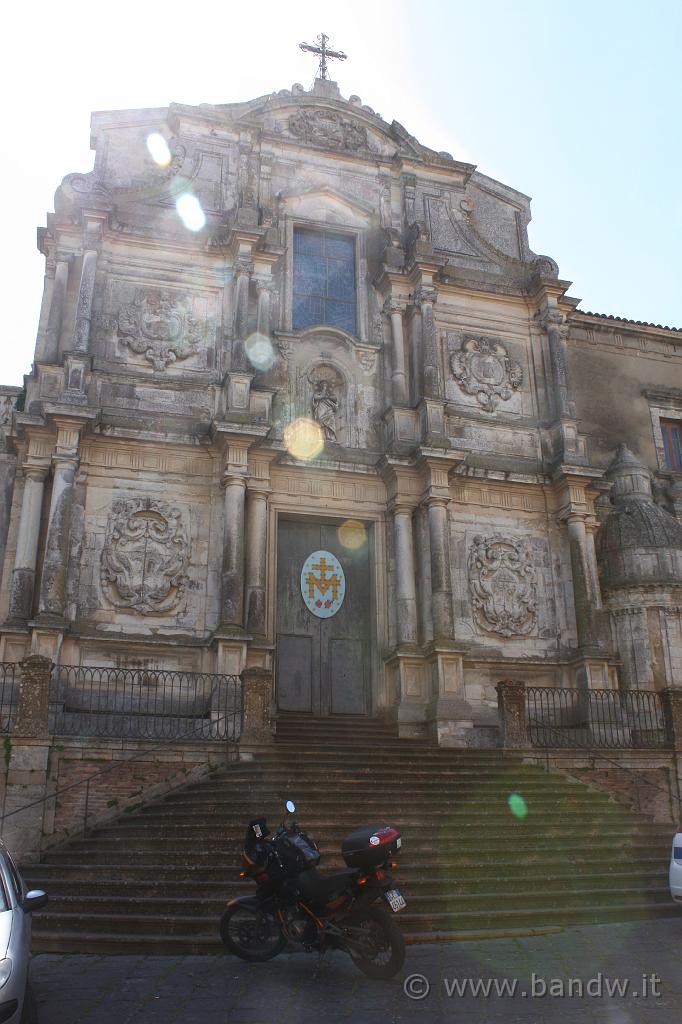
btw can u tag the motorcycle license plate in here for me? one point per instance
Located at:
(395, 900)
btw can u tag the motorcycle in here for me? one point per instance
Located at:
(296, 905)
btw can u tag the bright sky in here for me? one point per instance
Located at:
(578, 104)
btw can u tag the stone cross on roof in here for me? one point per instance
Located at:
(323, 53)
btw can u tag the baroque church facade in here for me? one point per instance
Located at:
(305, 401)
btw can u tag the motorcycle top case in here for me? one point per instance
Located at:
(370, 846)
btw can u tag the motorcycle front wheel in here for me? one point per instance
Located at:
(378, 945)
(251, 933)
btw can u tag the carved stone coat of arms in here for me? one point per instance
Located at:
(483, 367)
(157, 326)
(502, 585)
(145, 557)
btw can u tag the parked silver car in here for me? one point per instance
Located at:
(16, 906)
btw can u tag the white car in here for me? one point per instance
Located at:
(676, 868)
(16, 907)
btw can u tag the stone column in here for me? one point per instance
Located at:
(232, 615)
(256, 555)
(671, 698)
(425, 299)
(441, 583)
(257, 697)
(81, 333)
(50, 351)
(586, 593)
(263, 317)
(55, 559)
(399, 379)
(244, 269)
(557, 333)
(511, 704)
(423, 547)
(23, 576)
(405, 583)
(34, 698)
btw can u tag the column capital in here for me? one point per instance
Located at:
(32, 471)
(230, 478)
(244, 266)
(264, 285)
(424, 295)
(552, 319)
(393, 305)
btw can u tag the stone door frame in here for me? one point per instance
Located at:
(376, 527)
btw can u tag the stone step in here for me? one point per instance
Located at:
(330, 837)
(192, 924)
(210, 907)
(465, 872)
(461, 854)
(229, 885)
(166, 826)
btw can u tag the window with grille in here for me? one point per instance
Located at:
(672, 443)
(324, 280)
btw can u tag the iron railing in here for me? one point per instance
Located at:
(595, 718)
(10, 682)
(145, 704)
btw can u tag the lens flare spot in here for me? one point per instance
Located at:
(190, 212)
(304, 439)
(517, 805)
(158, 148)
(259, 351)
(352, 534)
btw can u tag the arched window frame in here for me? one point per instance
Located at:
(358, 234)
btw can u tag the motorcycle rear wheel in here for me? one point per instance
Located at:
(250, 933)
(383, 942)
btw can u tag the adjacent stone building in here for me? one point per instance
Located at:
(285, 328)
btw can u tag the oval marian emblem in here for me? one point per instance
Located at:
(323, 584)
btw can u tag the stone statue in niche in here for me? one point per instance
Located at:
(325, 405)
(145, 556)
(502, 585)
(156, 325)
(484, 368)
(325, 384)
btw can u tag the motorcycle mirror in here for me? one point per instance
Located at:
(291, 806)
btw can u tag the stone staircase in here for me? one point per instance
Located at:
(156, 881)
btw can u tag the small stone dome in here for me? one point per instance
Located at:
(639, 542)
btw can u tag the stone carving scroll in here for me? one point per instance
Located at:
(502, 586)
(482, 367)
(329, 129)
(145, 556)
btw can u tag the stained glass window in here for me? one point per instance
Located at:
(672, 443)
(324, 280)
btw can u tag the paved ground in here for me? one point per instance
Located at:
(294, 990)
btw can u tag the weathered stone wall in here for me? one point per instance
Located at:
(125, 775)
(642, 781)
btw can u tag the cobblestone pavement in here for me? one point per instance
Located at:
(294, 989)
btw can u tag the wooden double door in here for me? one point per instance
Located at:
(323, 664)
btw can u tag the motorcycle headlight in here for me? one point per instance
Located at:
(5, 970)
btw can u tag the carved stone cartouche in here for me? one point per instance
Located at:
(145, 556)
(483, 368)
(502, 585)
